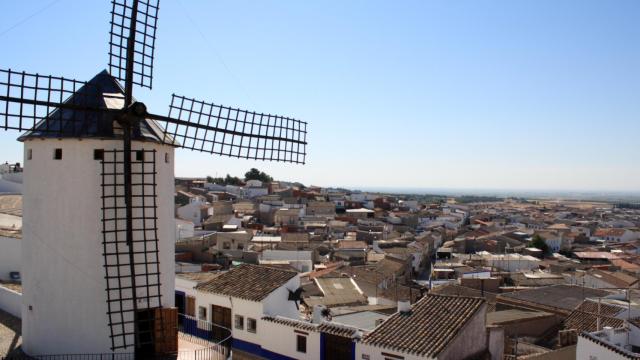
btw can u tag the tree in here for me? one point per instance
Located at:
(228, 180)
(233, 180)
(538, 242)
(255, 174)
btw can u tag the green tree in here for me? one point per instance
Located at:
(233, 180)
(538, 242)
(228, 180)
(255, 174)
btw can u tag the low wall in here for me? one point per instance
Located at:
(11, 302)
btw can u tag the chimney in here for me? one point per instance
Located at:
(317, 317)
(404, 306)
(608, 330)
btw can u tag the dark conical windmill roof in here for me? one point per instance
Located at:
(103, 91)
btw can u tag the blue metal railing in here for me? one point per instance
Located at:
(202, 330)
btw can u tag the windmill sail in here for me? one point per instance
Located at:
(145, 38)
(221, 130)
(136, 195)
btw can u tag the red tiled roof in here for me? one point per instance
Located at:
(609, 232)
(427, 330)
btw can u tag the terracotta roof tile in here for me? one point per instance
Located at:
(249, 282)
(585, 316)
(609, 232)
(559, 297)
(296, 324)
(432, 324)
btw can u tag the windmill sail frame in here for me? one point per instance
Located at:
(50, 106)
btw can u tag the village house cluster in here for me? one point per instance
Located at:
(284, 271)
(303, 272)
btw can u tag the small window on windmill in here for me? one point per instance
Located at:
(98, 154)
(29, 154)
(140, 155)
(57, 154)
(166, 158)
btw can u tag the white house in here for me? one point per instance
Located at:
(301, 260)
(610, 344)
(512, 262)
(241, 297)
(196, 211)
(250, 192)
(254, 302)
(436, 327)
(184, 229)
(616, 235)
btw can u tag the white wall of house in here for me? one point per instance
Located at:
(64, 299)
(186, 286)
(244, 308)
(590, 350)
(184, 229)
(513, 262)
(192, 210)
(282, 339)
(627, 236)
(11, 302)
(10, 256)
(275, 304)
(301, 260)
(251, 192)
(364, 351)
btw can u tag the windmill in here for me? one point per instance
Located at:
(98, 190)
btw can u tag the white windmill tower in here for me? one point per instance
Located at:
(74, 230)
(98, 221)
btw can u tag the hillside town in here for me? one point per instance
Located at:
(306, 272)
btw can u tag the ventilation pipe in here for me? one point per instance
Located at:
(404, 306)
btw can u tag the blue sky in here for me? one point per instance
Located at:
(434, 94)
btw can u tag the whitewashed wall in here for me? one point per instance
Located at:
(10, 256)
(245, 308)
(11, 302)
(64, 298)
(282, 339)
(186, 286)
(587, 349)
(276, 304)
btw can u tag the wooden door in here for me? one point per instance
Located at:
(337, 347)
(220, 316)
(191, 306)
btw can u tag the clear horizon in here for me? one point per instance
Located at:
(503, 95)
